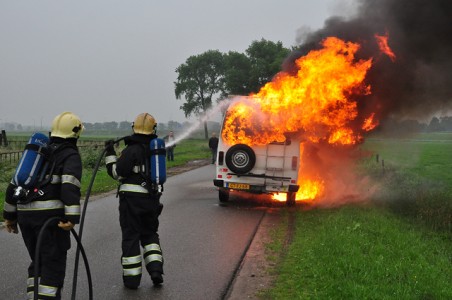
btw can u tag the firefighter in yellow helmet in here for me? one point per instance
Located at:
(139, 204)
(57, 195)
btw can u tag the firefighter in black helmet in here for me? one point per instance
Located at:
(58, 196)
(139, 204)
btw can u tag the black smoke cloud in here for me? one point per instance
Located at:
(419, 82)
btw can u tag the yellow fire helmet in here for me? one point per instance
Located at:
(144, 124)
(66, 125)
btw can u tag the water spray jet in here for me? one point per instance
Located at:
(207, 116)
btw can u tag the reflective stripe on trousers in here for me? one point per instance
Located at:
(131, 266)
(152, 253)
(44, 291)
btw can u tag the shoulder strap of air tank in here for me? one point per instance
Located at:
(147, 174)
(37, 148)
(50, 162)
(145, 157)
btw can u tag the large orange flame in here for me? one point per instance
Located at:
(319, 102)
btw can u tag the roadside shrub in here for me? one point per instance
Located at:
(90, 156)
(6, 173)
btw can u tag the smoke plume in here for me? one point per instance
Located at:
(418, 83)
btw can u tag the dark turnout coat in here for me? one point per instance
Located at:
(139, 208)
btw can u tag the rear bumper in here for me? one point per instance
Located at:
(259, 189)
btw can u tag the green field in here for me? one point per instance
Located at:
(396, 246)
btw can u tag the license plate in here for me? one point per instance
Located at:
(274, 188)
(239, 186)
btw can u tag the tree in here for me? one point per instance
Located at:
(98, 126)
(266, 59)
(198, 80)
(125, 125)
(237, 74)
(161, 127)
(247, 73)
(88, 126)
(434, 125)
(172, 125)
(446, 123)
(110, 126)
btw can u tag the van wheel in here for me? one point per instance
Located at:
(240, 158)
(223, 195)
(291, 197)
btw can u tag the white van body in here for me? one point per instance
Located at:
(269, 169)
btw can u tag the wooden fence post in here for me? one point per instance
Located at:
(5, 140)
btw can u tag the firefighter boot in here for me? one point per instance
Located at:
(157, 278)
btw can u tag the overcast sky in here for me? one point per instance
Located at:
(109, 60)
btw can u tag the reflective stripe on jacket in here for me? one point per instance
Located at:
(134, 188)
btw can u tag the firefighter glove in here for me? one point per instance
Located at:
(66, 226)
(11, 226)
(110, 147)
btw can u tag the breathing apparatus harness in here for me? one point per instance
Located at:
(36, 169)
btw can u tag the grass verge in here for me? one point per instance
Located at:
(358, 252)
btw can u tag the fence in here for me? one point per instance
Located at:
(14, 156)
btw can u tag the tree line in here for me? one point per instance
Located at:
(436, 124)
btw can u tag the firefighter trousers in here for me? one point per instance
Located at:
(139, 225)
(52, 261)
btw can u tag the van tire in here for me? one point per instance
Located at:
(240, 158)
(223, 195)
(291, 197)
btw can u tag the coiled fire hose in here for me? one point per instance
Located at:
(37, 252)
(83, 213)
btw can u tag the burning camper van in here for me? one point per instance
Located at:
(292, 138)
(270, 168)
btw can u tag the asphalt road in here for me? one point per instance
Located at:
(203, 244)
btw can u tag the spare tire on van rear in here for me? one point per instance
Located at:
(240, 158)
